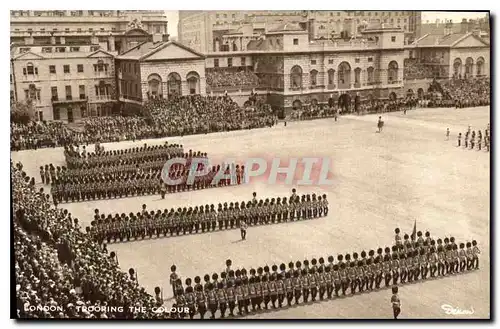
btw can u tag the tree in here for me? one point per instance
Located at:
(21, 112)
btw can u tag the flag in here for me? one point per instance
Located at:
(414, 233)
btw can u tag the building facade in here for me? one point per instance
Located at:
(64, 82)
(113, 30)
(207, 31)
(159, 70)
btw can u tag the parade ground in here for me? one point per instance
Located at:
(380, 181)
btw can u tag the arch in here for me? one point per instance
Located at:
(193, 81)
(357, 77)
(331, 77)
(392, 72)
(174, 84)
(393, 96)
(344, 75)
(216, 44)
(469, 63)
(344, 102)
(235, 47)
(314, 102)
(370, 75)
(296, 77)
(480, 66)
(155, 88)
(297, 104)
(420, 93)
(313, 76)
(457, 67)
(410, 93)
(30, 68)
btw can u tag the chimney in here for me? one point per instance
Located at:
(310, 29)
(157, 37)
(463, 26)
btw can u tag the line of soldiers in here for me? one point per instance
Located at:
(305, 281)
(206, 218)
(76, 158)
(470, 139)
(142, 182)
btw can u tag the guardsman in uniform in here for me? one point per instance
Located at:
(333, 280)
(387, 269)
(420, 239)
(266, 296)
(200, 298)
(395, 266)
(297, 286)
(158, 298)
(173, 278)
(433, 261)
(398, 238)
(313, 282)
(280, 290)
(245, 290)
(322, 282)
(221, 299)
(180, 301)
(324, 202)
(470, 255)
(344, 278)
(190, 299)
(353, 277)
(463, 257)
(239, 296)
(442, 258)
(475, 255)
(225, 216)
(285, 210)
(459, 140)
(424, 263)
(231, 297)
(212, 299)
(329, 280)
(251, 291)
(379, 270)
(396, 303)
(288, 283)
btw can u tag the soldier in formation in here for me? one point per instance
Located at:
(204, 218)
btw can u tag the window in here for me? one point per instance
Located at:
(66, 68)
(79, 68)
(404, 20)
(295, 42)
(24, 50)
(229, 62)
(370, 75)
(91, 29)
(216, 62)
(158, 27)
(94, 48)
(37, 95)
(79, 30)
(338, 13)
(313, 62)
(26, 94)
(60, 49)
(392, 20)
(370, 59)
(57, 115)
(376, 13)
(393, 39)
(30, 30)
(233, 16)
(53, 91)
(330, 61)
(225, 15)
(52, 69)
(30, 68)
(66, 30)
(243, 61)
(113, 29)
(314, 78)
(356, 60)
(46, 49)
(73, 49)
(68, 93)
(81, 90)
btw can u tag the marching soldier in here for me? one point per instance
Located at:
(475, 255)
(212, 299)
(173, 278)
(222, 299)
(231, 297)
(190, 299)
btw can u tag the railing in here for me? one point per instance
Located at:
(103, 97)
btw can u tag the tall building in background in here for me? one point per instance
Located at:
(112, 30)
(214, 31)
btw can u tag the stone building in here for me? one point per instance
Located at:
(207, 31)
(159, 70)
(64, 82)
(294, 71)
(112, 30)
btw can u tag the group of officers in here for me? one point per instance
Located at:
(205, 218)
(306, 281)
(471, 139)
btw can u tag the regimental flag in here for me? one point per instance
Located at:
(414, 233)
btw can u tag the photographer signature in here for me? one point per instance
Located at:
(448, 309)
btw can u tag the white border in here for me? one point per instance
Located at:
(192, 5)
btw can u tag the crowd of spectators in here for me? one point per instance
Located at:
(467, 92)
(60, 270)
(227, 78)
(415, 70)
(162, 118)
